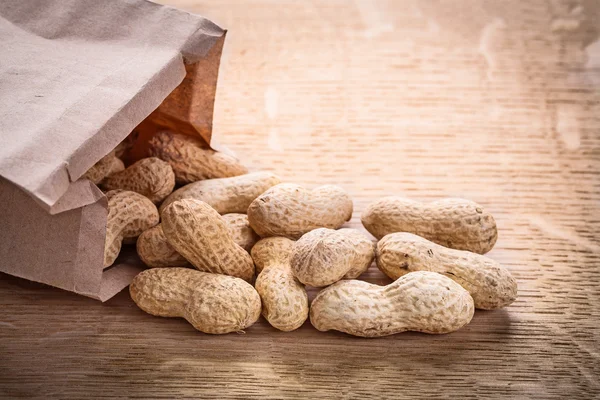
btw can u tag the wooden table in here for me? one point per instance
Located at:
(499, 103)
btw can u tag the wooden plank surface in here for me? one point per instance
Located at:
(498, 102)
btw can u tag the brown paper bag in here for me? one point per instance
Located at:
(76, 77)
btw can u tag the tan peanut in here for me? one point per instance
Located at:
(116, 165)
(290, 211)
(240, 230)
(129, 214)
(154, 250)
(150, 176)
(324, 256)
(284, 299)
(420, 301)
(274, 245)
(456, 223)
(101, 169)
(211, 303)
(191, 160)
(226, 195)
(199, 233)
(491, 285)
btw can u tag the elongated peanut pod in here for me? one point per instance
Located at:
(240, 230)
(284, 299)
(290, 211)
(151, 177)
(154, 250)
(456, 223)
(420, 301)
(191, 159)
(491, 285)
(198, 233)
(324, 256)
(116, 165)
(226, 195)
(212, 303)
(101, 169)
(129, 214)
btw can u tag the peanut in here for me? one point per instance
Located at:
(284, 299)
(455, 223)
(101, 169)
(129, 214)
(199, 233)
(226, 195)
(116, 165)
(290, 211)
(191, 160)
(420, 301)
(490, 285)
(151, 177)
(274, 245)
(240, 230)
(156, 252)
(324, 256)
(211, 303)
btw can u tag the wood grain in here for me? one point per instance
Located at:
(495, 102)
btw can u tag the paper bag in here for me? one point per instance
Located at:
(76, 77)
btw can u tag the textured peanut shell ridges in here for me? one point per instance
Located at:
(156, 252)
(226, 195)
(151, 177)
(290, 210)
(199, 233)
(491, 285)
(211, 303)
(324, 256)
(284, 299)
(420, 301)
(129, 214)
(102, 168)
(455, 223)
(191, 160)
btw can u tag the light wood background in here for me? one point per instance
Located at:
(498, 102)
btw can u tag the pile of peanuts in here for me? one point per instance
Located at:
(228, 246)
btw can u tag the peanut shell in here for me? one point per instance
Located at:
(420, 301)
(226, 195)
(191, 159)
(284, 299)
(290, 210)
(197, 232)
(212, 303)
(151, 177)
(456, 223)
(491, 285)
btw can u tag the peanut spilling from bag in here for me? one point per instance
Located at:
(284, 299)
(491, 285)
(324, 256)
(197, 232)
(290, 210)
(420, 301)
(191, 160)
(129, 214)
(151, 177)
(212, 303)
(455, 223)
(105, 166)
(155, 251)
(226, 195)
